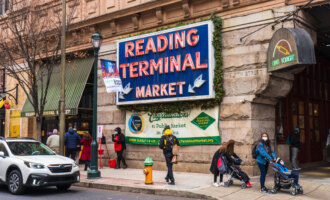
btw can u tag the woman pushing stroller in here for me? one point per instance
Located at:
(232, 161)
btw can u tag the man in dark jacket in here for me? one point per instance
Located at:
(120, 146)
(71, 141)
(166, 143)
(295, 144)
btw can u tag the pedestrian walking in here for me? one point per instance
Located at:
(86, 152)
(78, 149)
(328, 146)
(166, 143)
(71, 141)
(295, 144)
(264, 155)
(53, 141)
(120, 146)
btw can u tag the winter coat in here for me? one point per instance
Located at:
(71, 139)
(262, 155)
(121, 140)
(86, 152)
(295, 140)
(214, 167)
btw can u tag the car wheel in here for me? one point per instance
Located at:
(15, 182)
(63, 187)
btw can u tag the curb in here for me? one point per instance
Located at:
(152, 191)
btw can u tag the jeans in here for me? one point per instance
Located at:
(294, 175)
(120, 157)
(294, 151)
(168, 158)
(216, 176)
(70, 153)
(263, 173)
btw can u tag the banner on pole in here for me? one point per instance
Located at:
(193, 127)
(99, 131)
(110, 75)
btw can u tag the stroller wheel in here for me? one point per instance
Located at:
(231, 182)
(243, 186)
(293, 192)
(274, 190)
(301, 191)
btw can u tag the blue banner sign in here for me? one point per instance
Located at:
(172, 65)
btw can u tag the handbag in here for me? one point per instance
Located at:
(117, 145)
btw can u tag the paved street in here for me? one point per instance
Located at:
(78, 193)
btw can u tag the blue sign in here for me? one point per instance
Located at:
(172, 65)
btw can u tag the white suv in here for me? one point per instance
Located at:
(29, 163)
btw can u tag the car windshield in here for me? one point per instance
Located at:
(20, 148)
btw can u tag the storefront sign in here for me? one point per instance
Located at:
(172, 65)
(290, 48)
(110, 75)
(195, 127)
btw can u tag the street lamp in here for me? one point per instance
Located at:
(94, 172)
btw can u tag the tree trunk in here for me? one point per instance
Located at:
(39, 123)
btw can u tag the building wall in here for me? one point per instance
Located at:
(248, 108)
(251, 93)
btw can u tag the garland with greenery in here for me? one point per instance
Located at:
(177, 107)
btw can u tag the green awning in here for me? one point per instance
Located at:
(76, 76)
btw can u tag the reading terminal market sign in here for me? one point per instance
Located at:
(290, 48)
(172, 65)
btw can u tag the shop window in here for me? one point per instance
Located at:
(294, 107)
(301, 107)
(302, 136)
(301, 121)
(4, 5)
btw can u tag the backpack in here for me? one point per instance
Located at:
(169, 142)
(254, 152)
(288, 140)
(222, 164)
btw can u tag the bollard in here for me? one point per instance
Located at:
(148, 170)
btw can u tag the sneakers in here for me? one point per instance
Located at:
(264, 190)
(222, 184)
(167, 179)
(216, 184)
(248, 185)
(296, 168)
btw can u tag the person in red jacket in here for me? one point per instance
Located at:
(86, 152)
(120, 146)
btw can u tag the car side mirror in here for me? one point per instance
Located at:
(2, 154)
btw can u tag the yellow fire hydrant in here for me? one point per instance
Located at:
(148, 163)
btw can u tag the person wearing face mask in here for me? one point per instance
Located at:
(264, 155)
(120, 146)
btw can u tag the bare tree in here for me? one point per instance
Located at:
(30, 40)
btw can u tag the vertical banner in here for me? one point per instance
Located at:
(193, 127)
(99, 131)
(15, 123)
(110, 75)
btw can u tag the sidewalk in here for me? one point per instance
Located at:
(316, 185)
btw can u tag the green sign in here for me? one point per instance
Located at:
(203, 121)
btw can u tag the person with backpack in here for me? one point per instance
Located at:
(120, 146)
(166, 143)
(263, 153)
(222, 159)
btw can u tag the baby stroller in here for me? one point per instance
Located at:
(282, 181)
(235, 172)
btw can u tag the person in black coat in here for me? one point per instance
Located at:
(120, 146)
(295, 144)
(228, 151)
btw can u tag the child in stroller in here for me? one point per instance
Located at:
(284, 178)
(235, 172)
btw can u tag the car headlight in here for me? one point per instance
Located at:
(75, 164)
(34, 165)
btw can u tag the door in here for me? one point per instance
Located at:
(314, 130)
(3, 162)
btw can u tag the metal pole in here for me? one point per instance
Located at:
(62, 97)
(94, 172)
